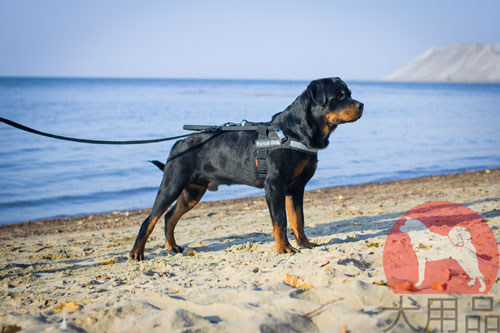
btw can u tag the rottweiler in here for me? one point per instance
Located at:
(207, 159)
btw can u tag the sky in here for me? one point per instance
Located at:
(297, 40)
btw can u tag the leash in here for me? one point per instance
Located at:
(107, 142)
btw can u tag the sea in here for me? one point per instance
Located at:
(407, 130)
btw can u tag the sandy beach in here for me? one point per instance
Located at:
(75, 275)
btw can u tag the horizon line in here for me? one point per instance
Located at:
(383, 80)
(171, 78)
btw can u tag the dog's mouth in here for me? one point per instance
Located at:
(348, 115)
(359, 107)
(339, 121)
(360, 113)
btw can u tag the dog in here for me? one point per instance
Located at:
(205, 160)
(430, 246)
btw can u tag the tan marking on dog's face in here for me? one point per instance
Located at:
(347, 114)
(327, 129)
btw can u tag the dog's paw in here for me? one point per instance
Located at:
(306, 243)
(286, 248)
(136, 255)
(176, 248)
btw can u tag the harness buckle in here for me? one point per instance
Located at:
(278, 131)
(226, 125)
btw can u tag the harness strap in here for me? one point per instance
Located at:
(272, 137)
(261, 156)
(289, 144)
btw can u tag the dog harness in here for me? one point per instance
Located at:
(272, 137)
(269, 137)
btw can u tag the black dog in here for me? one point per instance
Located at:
(205, 160)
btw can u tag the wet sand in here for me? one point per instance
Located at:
(74, 274)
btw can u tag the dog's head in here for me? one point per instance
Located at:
(331, 103)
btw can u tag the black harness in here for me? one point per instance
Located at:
(269, 137)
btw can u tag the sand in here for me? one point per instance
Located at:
(74, 274)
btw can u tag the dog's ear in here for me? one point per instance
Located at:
(333, 86)
(316, 91)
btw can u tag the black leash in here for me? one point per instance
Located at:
(106, 142)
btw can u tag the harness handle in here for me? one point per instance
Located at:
(197, 127)
(224, 127)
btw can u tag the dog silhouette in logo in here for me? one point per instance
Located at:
(430, 246)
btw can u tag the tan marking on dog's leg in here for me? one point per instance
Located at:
(137, 252)
(282, 245)
(178, 211)
(296, 219)
(293, 217)
(186, 201)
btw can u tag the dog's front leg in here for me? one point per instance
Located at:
(295, 212)
(275, 197)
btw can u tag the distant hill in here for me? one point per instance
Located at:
(460, 62)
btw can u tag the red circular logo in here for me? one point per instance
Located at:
(441, 248)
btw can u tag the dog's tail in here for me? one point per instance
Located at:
(160, 165)
(460, 236)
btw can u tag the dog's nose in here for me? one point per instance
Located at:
(360, 106)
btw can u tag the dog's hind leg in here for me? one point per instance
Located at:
(167, 194)
(189, 197)
(137, 252)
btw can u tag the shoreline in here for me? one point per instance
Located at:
(76, 271)
(63, 221)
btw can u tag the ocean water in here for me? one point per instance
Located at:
(407, 130)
